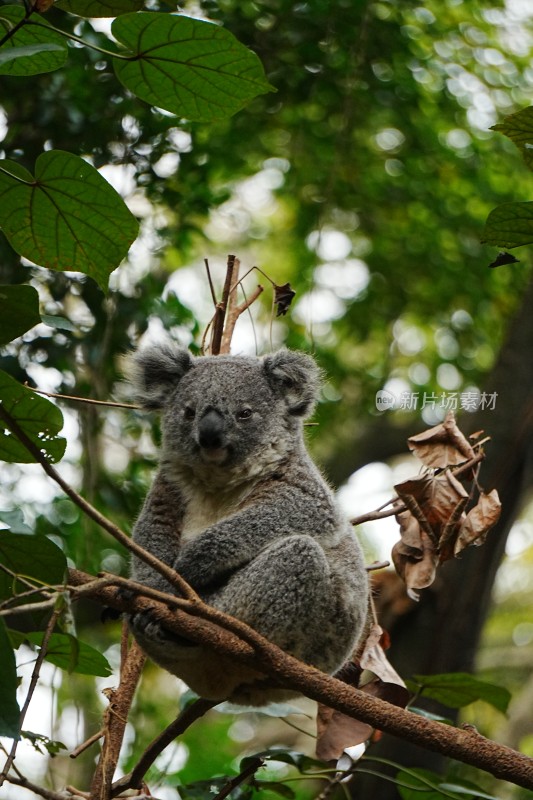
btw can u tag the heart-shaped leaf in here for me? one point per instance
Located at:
(33, 49)
(19, 311)
(40, 420)
(192, 68)
(509, 225)
(66, 218)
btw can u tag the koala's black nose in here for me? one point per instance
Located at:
(211, 430)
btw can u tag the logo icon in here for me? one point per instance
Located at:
(384, 400)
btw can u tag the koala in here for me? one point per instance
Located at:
(240, 510)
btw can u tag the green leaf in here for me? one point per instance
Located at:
(19, 311)
(60, 323)
(43, 744)
(99, 8)
(36, 558)
(40, 420)
(458, 689)
(519, 128)
(9, 708)
(509, 225)
(33, 49)
(67, 218)
(192, 68)
(68, 653)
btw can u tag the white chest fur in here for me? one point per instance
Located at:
(206, 509)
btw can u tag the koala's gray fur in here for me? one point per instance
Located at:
(241, 512)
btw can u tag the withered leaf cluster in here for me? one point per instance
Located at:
(441, 517)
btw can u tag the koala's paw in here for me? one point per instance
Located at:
(146, 626)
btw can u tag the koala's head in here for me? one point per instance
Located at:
(226, 412)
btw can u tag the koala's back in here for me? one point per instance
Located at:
(249, 522)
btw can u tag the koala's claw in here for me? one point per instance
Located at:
(145, 625)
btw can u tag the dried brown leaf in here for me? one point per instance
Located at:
(416, 565)
(436, 501)
(441, 446)
(479, 521)
(336, 732)
(374, 659)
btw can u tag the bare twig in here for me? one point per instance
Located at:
(230, 319)
(45, 605)
(108, 403)
(47, 794)
(31, 689)
(81, 748)
(210, 281)
(255, 764)
(189, 715)
(220, 310)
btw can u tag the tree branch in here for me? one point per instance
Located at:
(115, 720)
(466, 746)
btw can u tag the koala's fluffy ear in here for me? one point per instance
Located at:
(296, 377)
(155, 371)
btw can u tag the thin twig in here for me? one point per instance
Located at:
(45, 605)
(108, 403)
(255, 764)
(47, 794)
(10, 33)
(37, 590)
(81, 748)
(189, 715)
(210, 280)
(31, 689)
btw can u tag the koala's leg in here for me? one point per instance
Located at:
(289, 596)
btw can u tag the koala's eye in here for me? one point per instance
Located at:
(244, 413)
(189, 413)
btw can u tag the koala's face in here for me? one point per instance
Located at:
(225, 412)
(233, 416)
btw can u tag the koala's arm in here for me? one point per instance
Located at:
(233, 542)
(158, 530)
